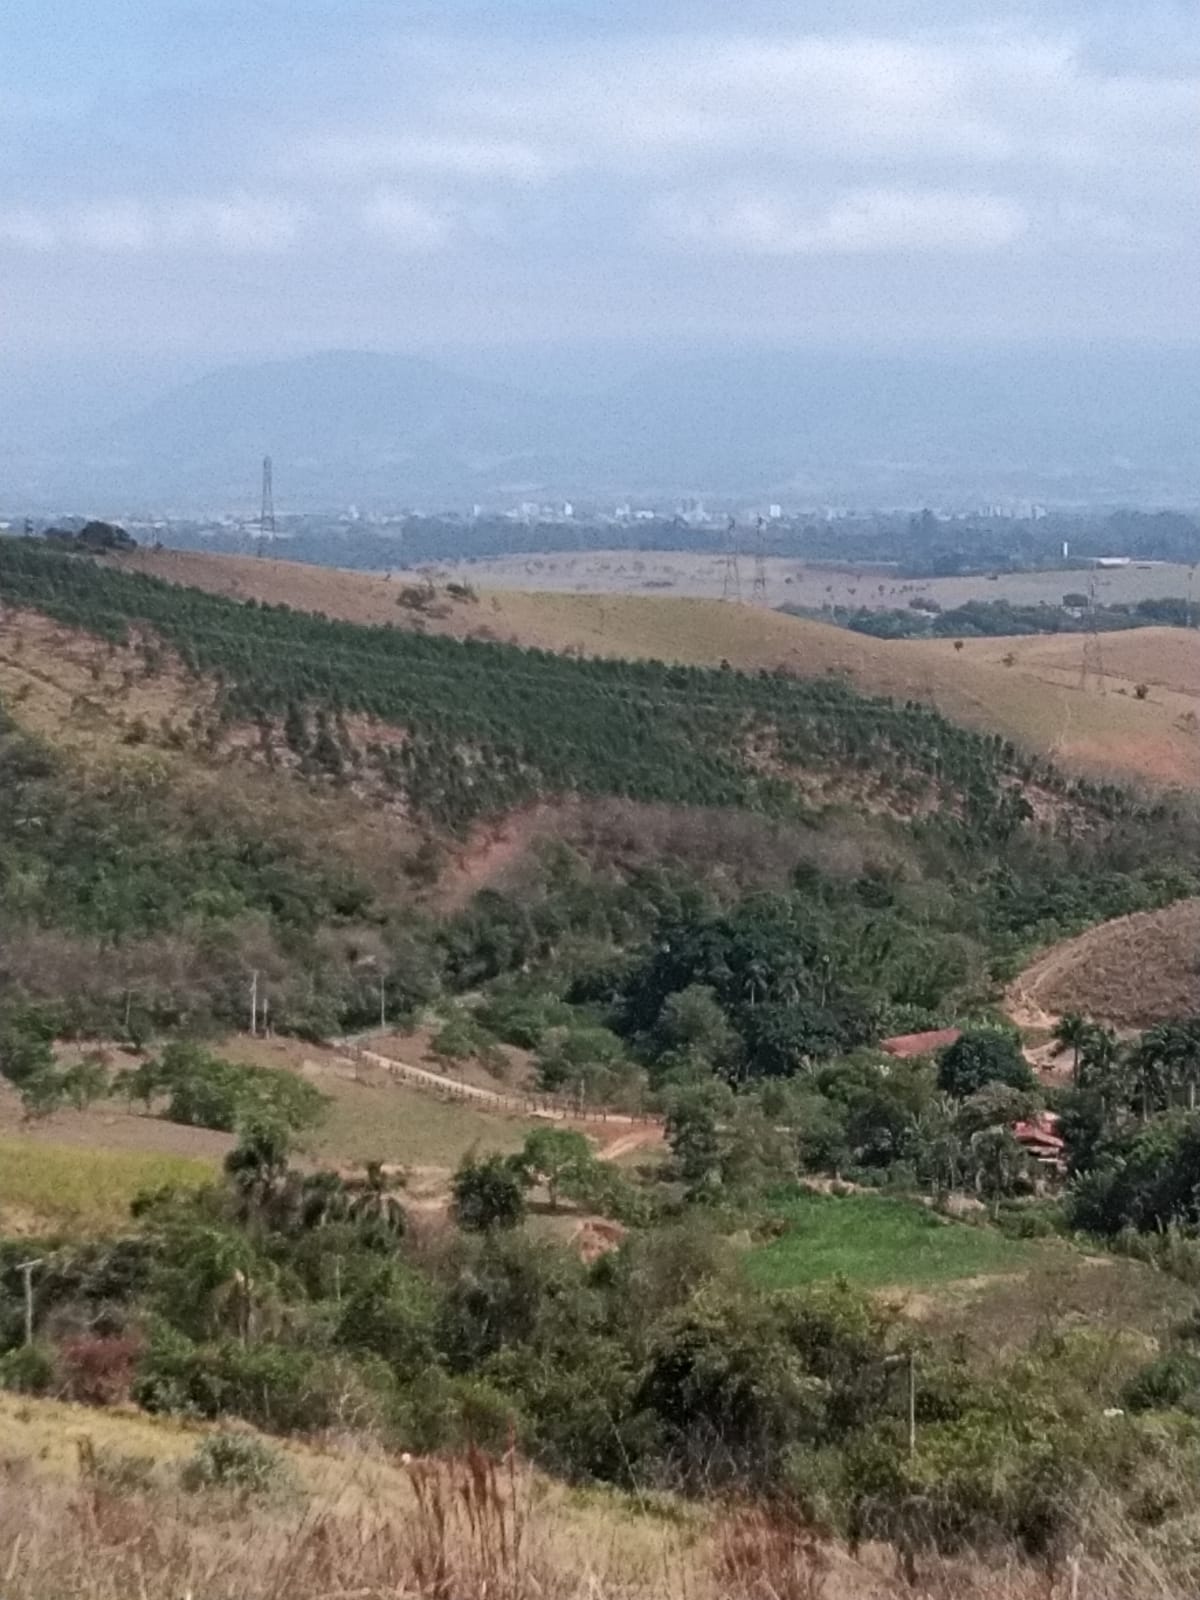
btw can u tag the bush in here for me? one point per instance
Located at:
(229, 1460)
(98, 1371)
(204, 1091)
(984, 1055)
(30, 1369)
(1172, 1382)
(270, 1386)
(489, 1194)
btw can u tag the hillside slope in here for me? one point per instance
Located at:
(1026, 689)
(1130, 973)
(459, 734)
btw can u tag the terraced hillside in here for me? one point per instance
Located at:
(1028, 690)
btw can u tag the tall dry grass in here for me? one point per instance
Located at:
(465, 1528)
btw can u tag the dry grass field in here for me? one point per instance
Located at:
(1130, 973)
(791, 582)
(96, 1510)
(1027, 689)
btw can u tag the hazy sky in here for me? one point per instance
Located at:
(213, 178)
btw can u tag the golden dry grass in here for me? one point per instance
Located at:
(94, 1510)
(1130, 973)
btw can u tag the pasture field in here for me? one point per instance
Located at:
(962, 1281)
(672, 573)
(372, 1116)
(877, 1243)
(62, 1188)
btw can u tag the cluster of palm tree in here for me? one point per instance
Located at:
(970, 1144)
(273, 1194)
(1159, 1070)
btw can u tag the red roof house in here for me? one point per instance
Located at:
(906, 1045)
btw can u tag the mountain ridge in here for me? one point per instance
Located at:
(391, 430)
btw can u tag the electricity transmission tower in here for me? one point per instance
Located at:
(759, 590)
(266, 519)
(1092, 666)
(731, 588)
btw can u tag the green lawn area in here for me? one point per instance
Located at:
(877, 1242)
(59, 1188)
(395, 1122)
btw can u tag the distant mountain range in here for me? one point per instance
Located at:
(394, 431)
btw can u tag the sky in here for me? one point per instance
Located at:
(189, 182)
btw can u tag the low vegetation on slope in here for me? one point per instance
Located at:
(161, 905)
(486, 727)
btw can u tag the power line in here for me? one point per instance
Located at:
(1092, 665)
(266, 518)
(759, 591)
(731, 587)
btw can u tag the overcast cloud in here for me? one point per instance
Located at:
(257, 177)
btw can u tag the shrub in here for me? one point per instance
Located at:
(983, 1055)
(204, 1091)
(270, 1386)
(1173, 1381)
(98, 1371)
(30, 1369)
(489, 1194)
(229, 1460)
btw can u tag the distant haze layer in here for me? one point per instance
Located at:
(386, 431)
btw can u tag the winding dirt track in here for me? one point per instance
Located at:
(1130, 973)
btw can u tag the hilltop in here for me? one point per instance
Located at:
(1026, 689)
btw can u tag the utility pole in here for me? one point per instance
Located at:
(912, 1402)
(731, 588)
(759, 591)
(27, 1270)
(254, 1004)
(382, 1002)
(266, 519)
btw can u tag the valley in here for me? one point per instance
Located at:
(626, 1187)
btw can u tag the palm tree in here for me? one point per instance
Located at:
(377, 1204)
(1153, 1068)
(258, 1166)
(1072, 1033)
(1000, 1164)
